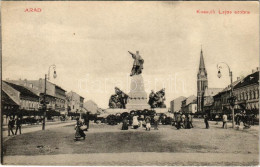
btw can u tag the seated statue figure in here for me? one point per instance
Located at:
(118, 100)
(113, 101)
(122, 97)
(152, 98)
(156, 100)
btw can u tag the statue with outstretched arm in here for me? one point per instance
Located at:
(138, 64)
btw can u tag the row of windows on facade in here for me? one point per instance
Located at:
(29, 104)
(245, 95)
(8, 107)
(25, 104)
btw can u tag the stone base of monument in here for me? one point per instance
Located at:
(116, 110)
(137, 99)
(137, 106)
(161, 110)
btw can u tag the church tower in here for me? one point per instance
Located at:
(202, 83)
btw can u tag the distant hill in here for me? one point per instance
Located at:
(92, 107)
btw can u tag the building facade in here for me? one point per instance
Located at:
(176, 104)
(55, 95)
(189, 105)
(202, 83)
(209, 99)
(23, 97)
(74, 102)
(60, 99)
(246, 91)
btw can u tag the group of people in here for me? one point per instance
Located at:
(14, 122)
(217, 117)
(179, 121)
(241, 120)
(183, 121)
(141, 121)
(247, 120)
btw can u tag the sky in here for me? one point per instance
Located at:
(88, 43)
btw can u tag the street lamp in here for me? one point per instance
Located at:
(47, 77)
(232, 97)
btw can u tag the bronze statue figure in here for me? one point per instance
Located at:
(118, 100)
(156, 100)
(138, 63)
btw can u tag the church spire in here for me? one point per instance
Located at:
(202, 65)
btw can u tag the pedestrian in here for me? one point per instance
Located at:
(125, 124)
(79, 132)
(173, 120)
(18, 125)
(135, 122)
(217, 119)
(190, 120)
(156, 122)
(206, 121)
(11, 125)
(186, 122)
(225, 121)
(178, 121)
(86, 120)
(148, 123)
(183, 120)
(140, 122)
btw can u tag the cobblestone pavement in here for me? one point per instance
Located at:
(137, 158)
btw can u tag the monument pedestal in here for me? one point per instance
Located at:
(137, 99)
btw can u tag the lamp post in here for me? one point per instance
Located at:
(47, 77)
(232, 97)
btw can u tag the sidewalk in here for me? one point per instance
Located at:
(5, 127)
(49, 125)
(137, 158)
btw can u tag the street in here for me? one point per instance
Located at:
(108, 145)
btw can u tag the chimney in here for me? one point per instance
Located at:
(257, 68)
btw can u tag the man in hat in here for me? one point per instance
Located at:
(11, 125)
(138, 63)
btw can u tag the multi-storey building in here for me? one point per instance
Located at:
(209, 100)
(74, 102)
(189, 105)
(176, 104)
(60, 98)
(23, 97)
(246, 91)
(55, 95)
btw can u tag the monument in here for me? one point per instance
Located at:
(137, 97)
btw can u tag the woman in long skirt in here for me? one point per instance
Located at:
(79, 133)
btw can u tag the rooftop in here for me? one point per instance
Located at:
(248, 80)
(6, 100)
(23, 91)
